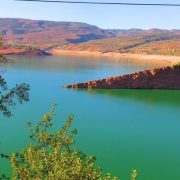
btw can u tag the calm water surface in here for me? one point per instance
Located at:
(124, 129)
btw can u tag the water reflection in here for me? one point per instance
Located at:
(68, 63)
(156, 97)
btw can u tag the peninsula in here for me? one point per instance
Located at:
(23, 51)
(159, 78)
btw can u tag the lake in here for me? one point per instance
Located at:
(124, 129)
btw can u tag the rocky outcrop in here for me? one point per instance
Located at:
(13, 51)
(160, 78)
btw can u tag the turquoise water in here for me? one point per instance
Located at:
(124, 129)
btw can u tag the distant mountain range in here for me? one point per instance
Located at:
(84, 37)
(118, 32)
(48, 34)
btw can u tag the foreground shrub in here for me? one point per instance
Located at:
(53, 156)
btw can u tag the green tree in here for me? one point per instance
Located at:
(134, 174)
(52, 155)
(9, 97)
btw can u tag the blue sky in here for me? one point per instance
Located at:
(101, 15)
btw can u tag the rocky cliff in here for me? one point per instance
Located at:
(14, 51)
(160, 78)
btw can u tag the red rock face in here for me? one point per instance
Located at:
(13, 51)
(161, 78)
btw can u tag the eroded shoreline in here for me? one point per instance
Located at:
(164, 59)
(158, 78)
(23, 52)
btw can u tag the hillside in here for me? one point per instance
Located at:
(75, 36)
(168, 47)
(166, 43)
(48, 34)
(160, 78)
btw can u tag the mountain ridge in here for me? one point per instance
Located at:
(49, 35)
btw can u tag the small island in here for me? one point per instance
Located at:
(159, 78)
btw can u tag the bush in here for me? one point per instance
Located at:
(28, 48)
(52, 155)
(177, 66)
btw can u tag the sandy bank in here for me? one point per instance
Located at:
(160, 58)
